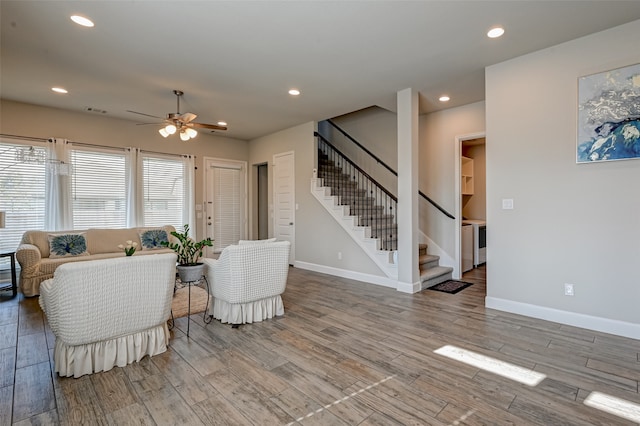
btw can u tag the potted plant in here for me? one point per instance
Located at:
(189, 252)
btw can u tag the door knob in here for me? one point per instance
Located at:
(209, 223)
(290, 223)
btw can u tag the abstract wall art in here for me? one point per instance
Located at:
(609, 115)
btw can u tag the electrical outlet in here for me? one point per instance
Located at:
(568, 289)
(339, 255)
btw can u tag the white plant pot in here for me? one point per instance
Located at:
(190, 273)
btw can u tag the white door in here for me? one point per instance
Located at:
(225, 203)
(284, 199)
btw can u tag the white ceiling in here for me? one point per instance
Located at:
(235, 60)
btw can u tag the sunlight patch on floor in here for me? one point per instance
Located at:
(613, 405)
(338, 401)
(492, 365)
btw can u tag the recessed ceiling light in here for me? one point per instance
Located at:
(495, 32)
(59, 90)
(294, 92)
(222, 123)
(81, 20)
(444, 98)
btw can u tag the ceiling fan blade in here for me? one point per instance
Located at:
(207, 126)
(148, 115)
(146, 124)
(187, 117)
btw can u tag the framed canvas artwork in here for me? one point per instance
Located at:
(609, 115)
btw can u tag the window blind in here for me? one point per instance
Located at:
(226, 207)
(22, 186)
(98, 189)
(164, 191)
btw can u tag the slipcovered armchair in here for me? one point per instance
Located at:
(109, 312)
(246, 281)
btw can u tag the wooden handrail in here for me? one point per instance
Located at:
(383, 164)
(355, 166)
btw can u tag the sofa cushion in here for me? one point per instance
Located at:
(67, 245)
(152, 239)
(108, 240)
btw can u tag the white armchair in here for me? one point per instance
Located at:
(247, 280)
(109, 312)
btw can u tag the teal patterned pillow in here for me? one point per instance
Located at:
(152, 239)
(67, 245)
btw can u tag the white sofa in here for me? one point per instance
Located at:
(37, 264)
(110, 312)
(246, 281)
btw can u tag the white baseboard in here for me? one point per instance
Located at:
(343, 273)
(605, 325)
(409, 288)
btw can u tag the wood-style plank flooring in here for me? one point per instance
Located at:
(345, 353)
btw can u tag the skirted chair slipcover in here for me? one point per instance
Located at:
(109, 312)
(246, 281)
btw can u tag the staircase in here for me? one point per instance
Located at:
(431, 273)
(368, 215)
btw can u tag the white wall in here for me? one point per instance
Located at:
(438, 132)
(571, 223)
(42, 122)
(318, 237)
(376, 129)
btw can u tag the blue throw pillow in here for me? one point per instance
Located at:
(153, 238)
(67, 245)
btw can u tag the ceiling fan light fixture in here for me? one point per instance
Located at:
(191, 132)
(163, 132)
(170, 128)
(184, 135)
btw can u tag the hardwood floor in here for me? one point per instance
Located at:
(345, 353)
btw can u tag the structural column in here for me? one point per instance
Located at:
(407, 214)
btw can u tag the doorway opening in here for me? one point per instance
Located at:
(470, 203)
(262, 202)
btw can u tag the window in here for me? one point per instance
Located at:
(98, 189)
(57, 185)
(22, 186)
(164, 191)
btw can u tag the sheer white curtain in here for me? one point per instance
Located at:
(135, 205)
(57, 198)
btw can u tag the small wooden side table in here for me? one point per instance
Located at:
(14, 280)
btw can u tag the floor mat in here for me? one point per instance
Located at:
(450, 286)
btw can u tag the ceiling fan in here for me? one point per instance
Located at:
(181, 123)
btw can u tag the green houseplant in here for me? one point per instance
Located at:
(189, 252)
